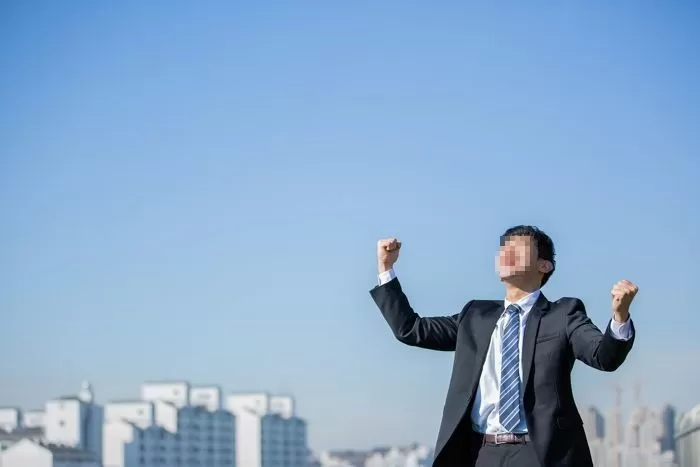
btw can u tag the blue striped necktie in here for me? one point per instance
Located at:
(509, 400)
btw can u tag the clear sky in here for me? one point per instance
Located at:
(193, 191)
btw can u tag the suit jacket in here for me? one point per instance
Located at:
(557, 333)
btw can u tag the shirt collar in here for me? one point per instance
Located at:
(526, 303)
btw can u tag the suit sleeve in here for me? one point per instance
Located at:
(602, 351)
(435, 333)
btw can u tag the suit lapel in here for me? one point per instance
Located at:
(483, 330)
(488, 324)
(530, 338)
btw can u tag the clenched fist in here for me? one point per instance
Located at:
(622, 293)
(387, 253)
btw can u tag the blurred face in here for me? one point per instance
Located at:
(517, 257)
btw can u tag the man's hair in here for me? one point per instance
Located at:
(545, 246)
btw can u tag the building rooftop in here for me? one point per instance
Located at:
(67, 398)
(21, 433)
(129, 401)
(165, 381)
(59, 452)
(68, 453)
(689, 422)
(276, 416)
(197, 408)
(165, 403)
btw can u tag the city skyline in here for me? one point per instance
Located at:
(170, 423)
(646, 437)
(602, 410)
(197, 192)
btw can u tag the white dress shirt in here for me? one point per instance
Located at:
(484, 413)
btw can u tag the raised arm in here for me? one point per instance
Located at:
(435, 333)
(603, 351)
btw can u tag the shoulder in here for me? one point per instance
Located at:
(567, 305)
(483, 304)
(480, 306)
(565, 301)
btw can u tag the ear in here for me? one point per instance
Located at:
(545, 266)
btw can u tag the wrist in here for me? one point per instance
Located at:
(382, 267)
(621, 316)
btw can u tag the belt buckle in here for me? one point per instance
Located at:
(497, 435)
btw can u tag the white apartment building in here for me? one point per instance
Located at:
(165, 428)
(8, 438)
(208, 397)
(268, 433)
(73, 422)
(27, 453)
(688, 438)
(34, 419)
(10, 418)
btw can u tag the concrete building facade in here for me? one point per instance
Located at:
(269, 434)
(688, 438)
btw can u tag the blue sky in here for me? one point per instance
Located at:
(195, 192)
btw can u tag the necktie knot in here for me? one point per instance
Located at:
(513, 310)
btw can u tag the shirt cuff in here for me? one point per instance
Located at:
(386, 276)
(621, 331)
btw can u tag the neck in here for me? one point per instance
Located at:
(516, 291)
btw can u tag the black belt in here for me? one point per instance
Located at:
(507, 438)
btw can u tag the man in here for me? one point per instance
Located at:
(510, 401)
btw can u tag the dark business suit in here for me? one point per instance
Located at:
(557, 334)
